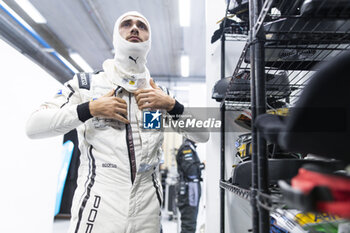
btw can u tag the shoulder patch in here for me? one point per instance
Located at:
(187, 151)
(84, 80)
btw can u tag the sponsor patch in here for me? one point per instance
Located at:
(84, 80)
(109, 165)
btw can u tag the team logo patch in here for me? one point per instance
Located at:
(59, 92)
(152, 119)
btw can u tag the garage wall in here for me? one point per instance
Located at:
(28, 168)
(237, 211)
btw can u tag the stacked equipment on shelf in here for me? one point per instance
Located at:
(293, 40)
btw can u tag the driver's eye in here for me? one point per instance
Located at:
(126, 24)
(142, 26)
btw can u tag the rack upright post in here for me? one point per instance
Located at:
(254, 188)
(260, 95)
(222, 152)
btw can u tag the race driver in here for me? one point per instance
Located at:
(118, 188)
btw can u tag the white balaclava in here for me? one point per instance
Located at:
(128, 68)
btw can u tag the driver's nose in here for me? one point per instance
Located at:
(134, 30)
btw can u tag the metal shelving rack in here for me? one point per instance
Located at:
(277, 41)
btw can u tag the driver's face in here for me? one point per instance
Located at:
(134, 29)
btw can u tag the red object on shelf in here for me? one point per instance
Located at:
(339, 187)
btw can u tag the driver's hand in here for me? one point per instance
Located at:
(109, 106)
(154, 98)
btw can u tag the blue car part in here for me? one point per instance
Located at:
(67, 153)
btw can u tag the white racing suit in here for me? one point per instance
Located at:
(106, 200)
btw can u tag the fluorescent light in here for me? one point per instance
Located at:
(184, 12)
(31, 11)
(81, 62)
(185, 66)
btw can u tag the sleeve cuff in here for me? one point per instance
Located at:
(177, 110)
(84, 112)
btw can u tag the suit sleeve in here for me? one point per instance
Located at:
(64, 112)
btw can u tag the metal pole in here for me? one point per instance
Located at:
(223, 110)
(254, 188)
(18, 38)
(262, 155)
(222, 154)
(264, 223)
(222, 71)
(222, 170)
